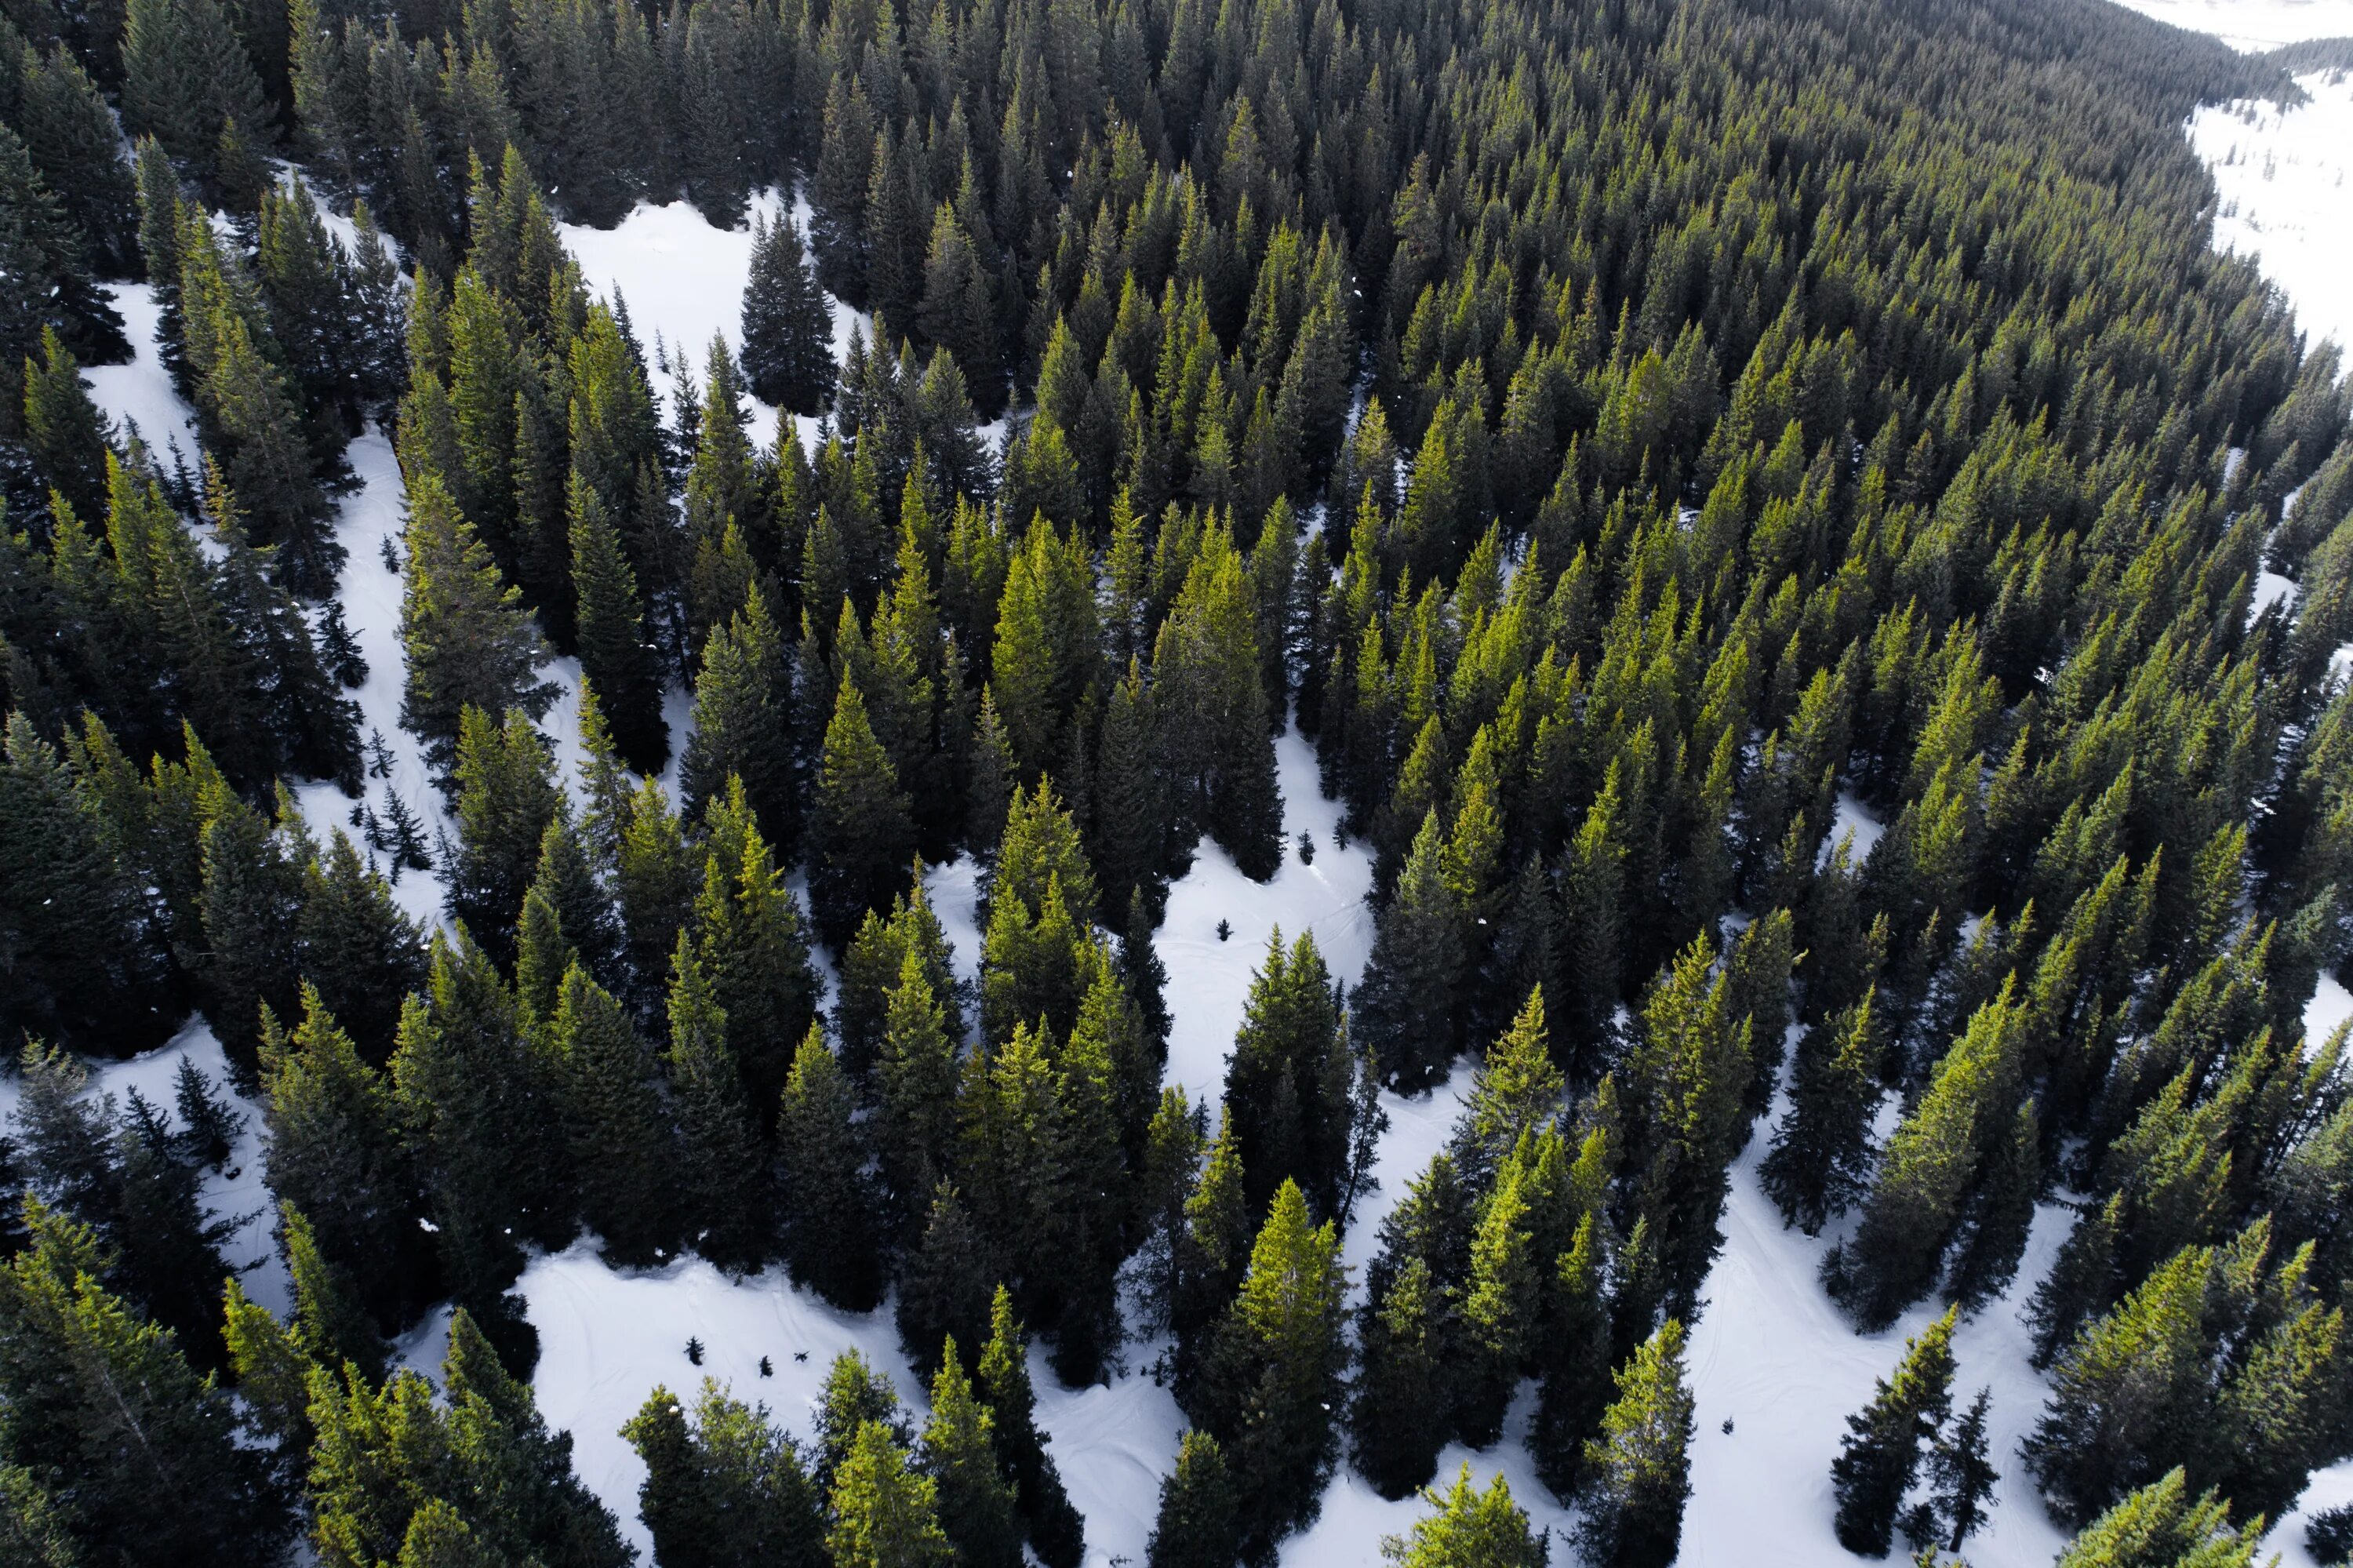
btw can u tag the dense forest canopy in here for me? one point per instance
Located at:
(1631, 440)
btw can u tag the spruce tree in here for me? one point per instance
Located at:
(751, 937)
(467, 638)
(621, 1153)
(1821, 1151)
(1199, 1525)
(727, 1488)
(1637, 1470)
(1470, 1526)
(959, 1455)
(722, 1167)
(1055, 1530)
(885, 1513)
(611, 634)
(1287, 1080)
(2162, 1526)
(826, 1208)
(1394, 1431)
(1881, 1453)
(507, 797)
(787, 331)
(108, 1423)
(1962, 1475)
(742, 723)
(862, 835)
(1405, 1008)
(1271, 1380)
(943, 1283)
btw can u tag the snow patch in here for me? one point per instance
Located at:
(2285, 204)
(1209, 980)
(235, 1190)
(140, 394)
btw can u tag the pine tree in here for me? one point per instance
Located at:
(1469, 1527)
(507, 797)
(728, 1488)
(959, 1455)
(787, 331)
(722, 1172)
(742, 723)
(1197, 1525)
(614, 652)
(1405, 1008)
(1962, 1475)
(621, 1146)
(467, 638)
(1881, 1453)
(862, 835)
(885, 1514)
(1271, 1380)
(825, 1206)
(2161, 1526)
(1637, 1470)
(104, 1411)
(1056, 1531)
(1820, 1150)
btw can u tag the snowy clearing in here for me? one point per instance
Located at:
(2252, 26)
(2285, 204)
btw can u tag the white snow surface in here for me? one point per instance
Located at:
(235, 1190)
(2286, 204)
(1209, 980)
(140, 394)
(2252, 26)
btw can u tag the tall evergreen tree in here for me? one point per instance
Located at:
(1881, 1453)
(826, 1208)
(467, 637)
(1197, 1525)
(860, 834)
(610, 630)
(1470, 1526)
(1637, 1470)
(787, 331)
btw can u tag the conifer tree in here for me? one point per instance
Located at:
(2162, 1526)
(787, 331)
(1271, 1380)
(467, 638)
(1636, 1474)
(360, 948)
(1213, 713)
(1197, 1525)
(109, 1426)
(1056, 1531)
(1817, 1164)
(1574, 1359)
(752, 940)
(860, 834)
(722, 1171)
(1287, 1080)
(728, 1488)
(330, 1326)
(959, 1455)
(1962, 1475)
(885, 1513)
(1881, 1453)
(1395, 1433)
(1470, 1526)
(507, 797)
(1405, 1008)
(610, 632)
(621, 1156)
(826, 1207)
(742, 723)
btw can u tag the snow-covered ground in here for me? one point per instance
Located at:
(2285, 202)
(2253, 27)
(139, 396)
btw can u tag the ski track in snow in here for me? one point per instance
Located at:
(1770, 1353)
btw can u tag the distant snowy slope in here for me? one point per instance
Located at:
(2254, 26)
(2286, 203)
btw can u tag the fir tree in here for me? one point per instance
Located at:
(2162, 1526)
(722, 1162)
(1405, 1008)
(468, 640)
(619, 1139)
(1055, 1530)
(727, 1488)
(826, 1207)
(110, 1427)
(860, 834)
(1881, 1453)
(959, 1455)
(1197, 1525)
(1470, 1526)
(1637, 1470)
(614, 652)
(742, 723)
(1962, 1475)
(787, 331)
(1817, 1163)
(507, 797)
(885, 1514)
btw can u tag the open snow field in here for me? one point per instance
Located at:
(2287, 205)
(2253, 27)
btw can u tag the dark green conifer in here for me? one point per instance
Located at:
(1197, 1526)
(614, 652)
(1637, 1470)
(1881, 1453)
(825, 1206)
(860, 834)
